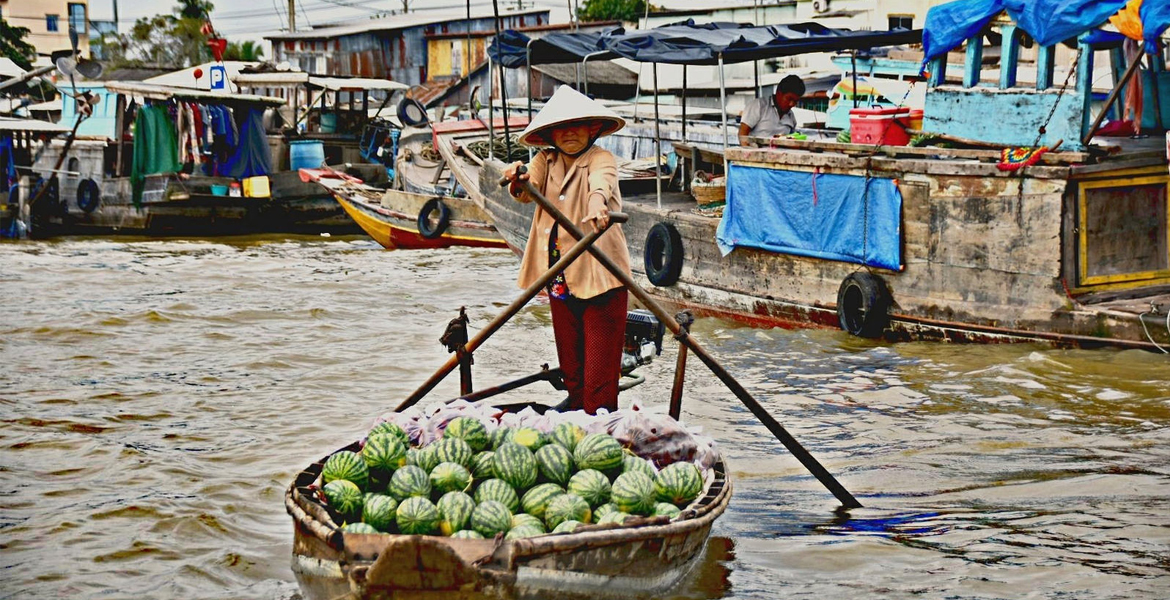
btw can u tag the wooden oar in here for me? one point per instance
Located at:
(529, 293)
(805, 458)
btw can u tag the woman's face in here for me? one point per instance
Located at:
(572, 138)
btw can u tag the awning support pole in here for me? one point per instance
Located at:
(723, 105)
(657, 141)
(491, 103)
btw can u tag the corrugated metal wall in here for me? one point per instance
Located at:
(400, 55)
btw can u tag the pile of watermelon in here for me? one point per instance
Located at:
(515, 481)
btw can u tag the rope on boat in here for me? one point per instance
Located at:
(499, 147)
(1142, 319)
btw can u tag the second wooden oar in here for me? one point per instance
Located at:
(793, 446)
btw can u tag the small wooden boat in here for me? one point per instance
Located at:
(398, 219)
(641, 558)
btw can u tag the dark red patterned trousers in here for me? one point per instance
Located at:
(590, 334)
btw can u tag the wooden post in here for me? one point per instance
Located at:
(685, 319)
(938, 72)
(119, 129)
(1045, 67)
(1009, 56)
(974, 64)
(1085, 88)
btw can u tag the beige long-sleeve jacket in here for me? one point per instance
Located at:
(595, 170)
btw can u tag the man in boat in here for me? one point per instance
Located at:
(770, 116)
(588, 303)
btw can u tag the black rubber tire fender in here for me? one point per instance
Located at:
(89, 195)
(443, 221)
(411, 112)
(863, 305)
(663, 255)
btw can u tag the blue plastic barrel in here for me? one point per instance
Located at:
(306, 154)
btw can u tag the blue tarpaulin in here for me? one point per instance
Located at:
(834, 217)
(1047, 21)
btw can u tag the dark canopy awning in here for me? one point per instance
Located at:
(687, 43)
(511, 47)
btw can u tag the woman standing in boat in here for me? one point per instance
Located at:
(588, 303)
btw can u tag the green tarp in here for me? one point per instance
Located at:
(155, 148)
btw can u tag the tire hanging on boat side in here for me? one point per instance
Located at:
(442, 222)
(863, 305)
(89, 195)
(663, 255)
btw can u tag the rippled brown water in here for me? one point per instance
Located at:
(157, 397)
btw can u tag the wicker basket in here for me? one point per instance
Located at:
(707, 192)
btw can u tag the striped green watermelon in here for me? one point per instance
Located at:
(346, 465)
(529, 438)
(592, 485)
(384, 452)
(344, 497)
(455, 511)
(678, 483)
(395, 430)
(500, 491)
(515, 464)
(426, 458)
(536, 500)
(501, 435)
(567, 435)
(568, 507)
(634, 493)
(666, 509)
(358, 527)
(467, 534)
(598, 451)
(409, 481)
(525, 531)
(481, 465)
(417, 516)
(490, 518)
(412, 456)
(555, 463)
(604, 509)
(450, 477)
(637, 463)
(452, 449)
(378, 511)
(469, 430)
(616, 516)
(527, 520)
(567, 526)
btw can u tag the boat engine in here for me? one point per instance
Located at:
(644, 334)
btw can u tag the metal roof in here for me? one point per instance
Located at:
(166, 92)
(394, 22)
(330, 83)
(14, 124)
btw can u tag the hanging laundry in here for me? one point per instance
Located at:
(155, 148)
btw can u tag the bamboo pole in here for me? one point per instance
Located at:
(529, 293)
(1133, 67)
(774, 426)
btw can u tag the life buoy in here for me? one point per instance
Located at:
(89, 195)
(663, 255)
(411, 112)
(425, 228)
(863, 305)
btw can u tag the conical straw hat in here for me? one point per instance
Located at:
(567, 105)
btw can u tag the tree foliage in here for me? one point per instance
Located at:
(13, 46)
(247, 51)
(171, 40)
(612, 10)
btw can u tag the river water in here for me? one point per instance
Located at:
(157, 397)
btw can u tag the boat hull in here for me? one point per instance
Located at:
(608, 561)
(392, 220)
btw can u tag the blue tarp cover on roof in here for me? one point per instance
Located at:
(692, 44)
(1047, 21)
(834, 217)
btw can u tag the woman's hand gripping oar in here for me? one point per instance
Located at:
(585, 243)
(793, 446)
